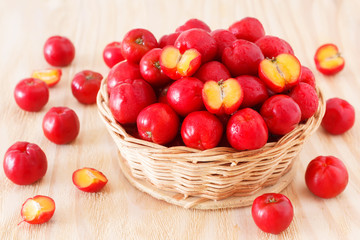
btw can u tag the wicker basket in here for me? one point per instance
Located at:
(221, 177)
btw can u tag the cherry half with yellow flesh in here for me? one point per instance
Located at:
(177, 65)
(280, 73)
(328, 59)
(222, 96)
(89, 179)
(49, 76)
(38, 210)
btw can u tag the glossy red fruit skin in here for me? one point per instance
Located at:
(59, 51)
(242, 58)
(272, 212)
(193, 23)
(200, 40)
(339, 116)
(168, 39)
(85, 86)
(127, 99)
(112, 54)
(306, 97)
(150, 68)
(31, 94)
(24, 163)
(61, 125)
(152, 121)
(246, 130)
(201, 130)
(255, 91)
(272, 46)
(185, 95)
(326, 176)
(213, 70)
(281, 114)
(224, 39)
(121, 72)
(248, 28)
(307, 76)
(136, 43)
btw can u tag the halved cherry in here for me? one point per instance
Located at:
(49, 76)
(280, 73)
(89, 179)
(328, 59)
(176, 65)
(222, 96)
(38, 209)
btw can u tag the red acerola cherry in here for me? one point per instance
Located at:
(61, 125)
(59, 51)
(31, 94)
(85, 86)
(339, 116)
(24, 163)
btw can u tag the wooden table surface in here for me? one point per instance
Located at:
(120, 211)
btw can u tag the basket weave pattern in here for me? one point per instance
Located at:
(216, 173)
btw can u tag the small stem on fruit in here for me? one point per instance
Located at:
(272, 200)
(89, 77)
(30, 82)
(149, 135)
(21, 222)
(139, 41)
(157, 65)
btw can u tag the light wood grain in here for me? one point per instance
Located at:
(120, 211)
